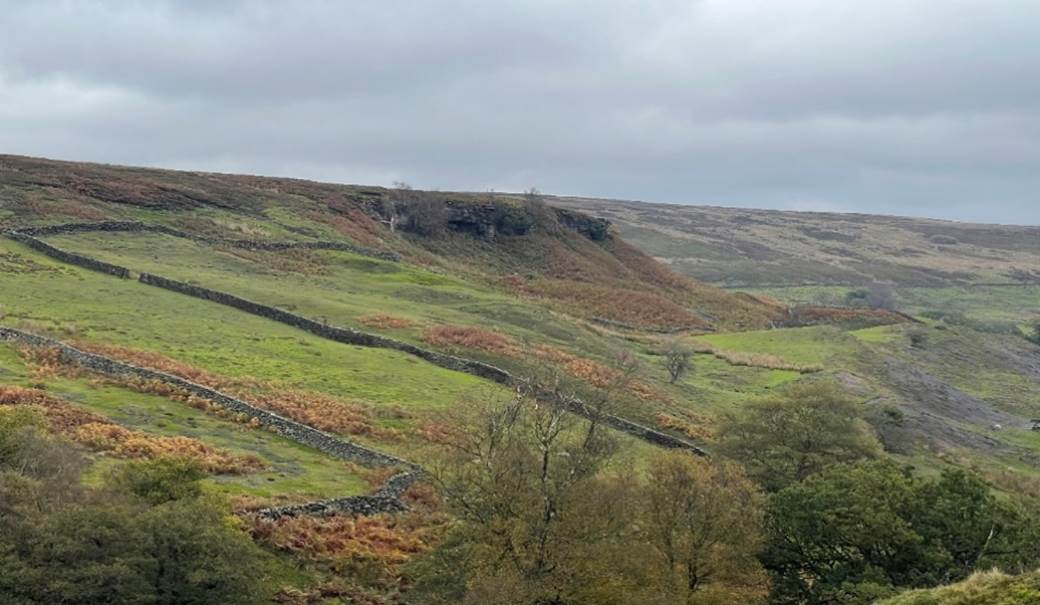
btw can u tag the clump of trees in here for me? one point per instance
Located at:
(857, 532)
(548, 513)
(149, 535)
(801, 506)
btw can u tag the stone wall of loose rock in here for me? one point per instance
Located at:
(338, 334)
(386, 500)
(69, 257)
(290, 429)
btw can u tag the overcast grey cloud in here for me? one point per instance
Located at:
(924, 107)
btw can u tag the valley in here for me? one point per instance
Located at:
(447, 302)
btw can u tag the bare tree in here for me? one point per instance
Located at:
(881, 296)
(678, 360)
(418, 213)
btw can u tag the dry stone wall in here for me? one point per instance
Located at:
(338, 334)
(387, 499)
(290, 429)
(69, 257)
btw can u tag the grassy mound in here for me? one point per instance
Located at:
(991, 588)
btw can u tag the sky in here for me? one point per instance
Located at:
(922, 108)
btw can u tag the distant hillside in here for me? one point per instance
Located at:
(759, 248)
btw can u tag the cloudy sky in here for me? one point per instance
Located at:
(923, 107)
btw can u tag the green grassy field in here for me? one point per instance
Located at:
(94, 307)
(812, 345)
(350, 286)
(292, 469)
(338, 286)
(1013, 304)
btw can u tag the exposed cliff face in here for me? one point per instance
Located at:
(596, 229)
(490, 219)
(487, 219)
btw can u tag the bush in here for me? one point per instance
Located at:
(161, 480)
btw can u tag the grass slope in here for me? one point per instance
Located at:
(292, 470)
(993, 588)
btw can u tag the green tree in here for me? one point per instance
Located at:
(857, 532)
(200, 557)
(803, 429)
(152, 539)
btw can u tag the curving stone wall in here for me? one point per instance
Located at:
(69, 257)
(386, 500)
(451, 362)
(290, 429)
(338, 334)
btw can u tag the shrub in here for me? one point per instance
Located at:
(101, 434)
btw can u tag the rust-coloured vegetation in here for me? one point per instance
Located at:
(472, 337)
(321, 411)
(374, 547)
(698, 428)
(384, 321)
(102, 435)
(641, 308)
(597, 374)
(808, 316)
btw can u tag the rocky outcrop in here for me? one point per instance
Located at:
(595, 229)
(489, 218)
